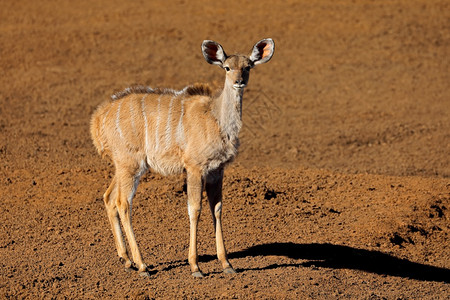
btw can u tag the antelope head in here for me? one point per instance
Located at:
(238, 66)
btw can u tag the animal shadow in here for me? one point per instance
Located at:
(344, 257)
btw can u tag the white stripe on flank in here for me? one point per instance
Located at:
(180, 129)
(133, 126)
(119, 130)
(158, 120)
(168, 124)
(145, 122)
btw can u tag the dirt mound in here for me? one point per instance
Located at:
(341, 188)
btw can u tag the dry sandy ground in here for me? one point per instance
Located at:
(342, 185)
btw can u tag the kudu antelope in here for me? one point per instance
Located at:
(169, 132)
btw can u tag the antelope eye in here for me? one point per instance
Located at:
(227, 69)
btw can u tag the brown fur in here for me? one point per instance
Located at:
(199, 89)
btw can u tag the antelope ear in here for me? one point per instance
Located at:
(262, 51)
(213, 52)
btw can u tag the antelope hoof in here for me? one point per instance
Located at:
(229, 270)
(127, 263)
(197, 274)
(128, 270)
(144, 274)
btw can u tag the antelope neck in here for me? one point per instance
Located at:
(228, 111)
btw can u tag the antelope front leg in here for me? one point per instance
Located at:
(194, 189)
(214, 193)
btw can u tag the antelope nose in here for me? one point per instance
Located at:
(239, 84)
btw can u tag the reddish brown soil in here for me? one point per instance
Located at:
(342, 186)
